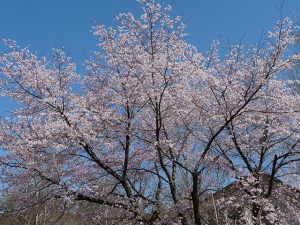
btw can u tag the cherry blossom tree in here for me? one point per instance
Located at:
(153, 126)
(294, 73)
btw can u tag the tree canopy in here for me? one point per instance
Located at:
(154, 126)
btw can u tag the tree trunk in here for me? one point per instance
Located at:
(195, 199)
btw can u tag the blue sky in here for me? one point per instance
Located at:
(44, 24)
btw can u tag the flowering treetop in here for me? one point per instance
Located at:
(156, 124)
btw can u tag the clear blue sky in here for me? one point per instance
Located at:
(41, 23)
(67, 23)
